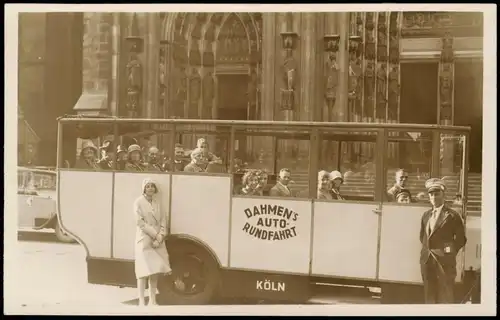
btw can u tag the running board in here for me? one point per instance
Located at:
(324, 293)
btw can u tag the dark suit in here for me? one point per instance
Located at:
(280, 190)
(438, 267)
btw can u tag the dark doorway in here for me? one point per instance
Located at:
(469, 107)
(419, 89)
(233, 105)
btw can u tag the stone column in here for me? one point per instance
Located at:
(340, 111)
(446, 102)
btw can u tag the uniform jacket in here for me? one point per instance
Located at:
(154, 167)
(280, 190)
(448, 231)
(175, 165)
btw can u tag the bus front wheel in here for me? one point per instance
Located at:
(194, 279)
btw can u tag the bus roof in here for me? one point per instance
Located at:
(260, 123)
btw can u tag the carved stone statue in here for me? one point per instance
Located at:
(332, 76)
(134, 82)
(381, 82)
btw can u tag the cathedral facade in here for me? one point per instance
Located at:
(395, 67)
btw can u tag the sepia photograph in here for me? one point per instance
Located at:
(250, 159)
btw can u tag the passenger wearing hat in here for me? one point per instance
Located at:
(324, 185)
(121, 158)
(442, 234)
(154, 160)
(336, 180)
(402, 196)
(134, 158)
(106, 161)
(88, 156)
(178, 163)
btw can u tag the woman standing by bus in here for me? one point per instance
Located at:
(151, 257)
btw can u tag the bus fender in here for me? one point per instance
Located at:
(50, 223)
(174, 243)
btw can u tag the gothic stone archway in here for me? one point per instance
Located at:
(203, 50)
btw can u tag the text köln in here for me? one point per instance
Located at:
(273, 222)
(268, 285)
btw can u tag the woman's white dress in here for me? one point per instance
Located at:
(151, 220)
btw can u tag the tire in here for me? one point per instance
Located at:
(61, 235)
(195, 277)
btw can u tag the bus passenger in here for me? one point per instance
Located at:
(121, 158)
(250, 182)
(88, 156)
(151, 256)
(154, 162)
(336, 180)
(177, 163)
(197, 161)
(281, 188)
(324, 185)
(107, 156)
(262, 189)
(134, 158)
(403, 196)
(202, 144)
(401, 180)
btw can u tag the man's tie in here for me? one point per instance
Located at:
(432, 221)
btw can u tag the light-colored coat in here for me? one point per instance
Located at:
(151, 221)
(279, 190)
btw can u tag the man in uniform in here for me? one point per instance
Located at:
(401, 179)
(442, 234)
(281, 188)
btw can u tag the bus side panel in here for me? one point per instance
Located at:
(271, 235)
(127, 188)
(85, 199)
(400, 243)
(473, 245)
(200, 208)
(345, 240)
(33, 207)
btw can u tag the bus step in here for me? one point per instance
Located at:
(340, 294)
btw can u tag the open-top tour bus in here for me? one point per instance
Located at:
(36, 195)
(279, 248)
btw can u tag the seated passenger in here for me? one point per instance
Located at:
(154, 160)
(336, 180)
(121, 158)
(262, 186)
(250, 181)
(403, 196)
(401, 178)
(106, 161)
(281, 188)
(324, 185)
(134, 162)
(88, 157)
(203, 146)
(177, 163)
(197, 163)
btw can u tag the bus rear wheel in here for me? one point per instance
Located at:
(194, 279)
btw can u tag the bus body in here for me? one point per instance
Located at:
(254, 246)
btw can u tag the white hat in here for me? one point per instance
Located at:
(336, 175)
